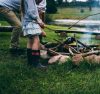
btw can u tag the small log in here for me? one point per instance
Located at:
(77, 58)
(93, 59)
(54, 59)
(63, 59)
(88, 47)
(52, 52)
(6, 28)
(90, 53)
(76, 31)
(58, 58)
(62, 53)
(73, 49)
(93, 45)
(70, 51)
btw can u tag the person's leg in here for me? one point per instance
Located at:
(33, 52)
(36, 51)
(29, 51)
(36, 43)
(11, 17)
(14, 21)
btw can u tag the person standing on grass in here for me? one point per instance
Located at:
(9, 8)
(31, 26)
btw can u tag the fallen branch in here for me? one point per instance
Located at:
(50, 51)
(74, 50)
(70, 51)
(6, 28)
(88, 47)
(76, 31)
(77, 58)
(90, 53)
(82, 19)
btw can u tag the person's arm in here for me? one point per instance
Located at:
(42, 6)
(41, 9)
(33, 11)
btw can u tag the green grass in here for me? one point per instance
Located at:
(18, 78)
(74, 13)
(3, 23)
(51, 36)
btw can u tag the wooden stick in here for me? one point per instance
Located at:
(70, 51)
(90, 53)
(76, 31)
(54, 52)
(58, 53)
(6, 28)
(82, 19)
(84, 45)
(74, 49)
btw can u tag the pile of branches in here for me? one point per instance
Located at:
(62, 51)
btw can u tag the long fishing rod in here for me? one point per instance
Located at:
(82, 19)
(49, 28)
(74, 23)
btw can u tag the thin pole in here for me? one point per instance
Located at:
(82, 19)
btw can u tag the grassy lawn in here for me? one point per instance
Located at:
(18, 78)
(74, 13)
